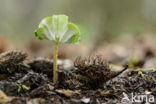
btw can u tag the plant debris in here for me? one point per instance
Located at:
(95, 71)
(12, 62)
(68, 93)
(90, 81)
(4, 98)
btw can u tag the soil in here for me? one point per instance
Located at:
(90, 81)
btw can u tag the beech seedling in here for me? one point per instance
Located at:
(57, 29)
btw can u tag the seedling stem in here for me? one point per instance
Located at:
(55, 74)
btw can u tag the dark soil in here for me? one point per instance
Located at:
(91, 81)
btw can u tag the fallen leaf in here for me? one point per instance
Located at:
(4, 98)
(68, 93)
(36, 101)
(85, 100)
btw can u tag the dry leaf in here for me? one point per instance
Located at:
(36, 101)
(68, 93)
(85, 100)
(4, 98)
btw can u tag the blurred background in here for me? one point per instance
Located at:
(107, 26)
